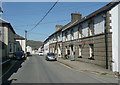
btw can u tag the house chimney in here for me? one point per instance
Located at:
(58, 27)
(75, 16)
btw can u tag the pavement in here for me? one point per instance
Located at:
(86, 67)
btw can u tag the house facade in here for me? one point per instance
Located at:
(8, 42)
(20, 44)
(89, 39)
(29, 49)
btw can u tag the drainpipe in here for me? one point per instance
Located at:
(106, 42)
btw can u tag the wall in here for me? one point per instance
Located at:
(114, 25)
(46, 47)
(119, 38)
(5, 40)
(22, 44)
(29, 49)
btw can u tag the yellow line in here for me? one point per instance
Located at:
(65, 65)
(7, 70)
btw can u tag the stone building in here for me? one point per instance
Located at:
(90, 38)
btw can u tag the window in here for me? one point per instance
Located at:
(91, 50)
(10, 48)
(71, 50)
(80, 51)
(72, 34)
(80, 31)
(66, 50)
(91, 28)
(65, 36)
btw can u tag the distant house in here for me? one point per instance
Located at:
(29, 49)
(40, 49)
(7, 35)
(20, 44)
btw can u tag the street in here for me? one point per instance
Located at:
(37, 70)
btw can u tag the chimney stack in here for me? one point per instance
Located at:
(75, 16)
(58, 27)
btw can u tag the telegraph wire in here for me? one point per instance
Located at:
(42, 23)
(36, 33)
(44, 16)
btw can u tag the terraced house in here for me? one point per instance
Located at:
(10, 42)
(90, 38)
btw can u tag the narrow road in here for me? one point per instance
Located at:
(37, 70)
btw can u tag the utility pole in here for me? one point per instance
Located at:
(1, 9)
(26, 40)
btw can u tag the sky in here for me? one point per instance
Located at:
(25, 15)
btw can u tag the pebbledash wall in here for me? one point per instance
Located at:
(93, 40)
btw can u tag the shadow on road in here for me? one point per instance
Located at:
(10, 72)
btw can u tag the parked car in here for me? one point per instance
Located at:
(19, 55)
(28, 53)
(40, 53)
(51, 56)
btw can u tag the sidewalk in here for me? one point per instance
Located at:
(86, 67)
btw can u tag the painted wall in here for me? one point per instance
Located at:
(22, 44)
(46, 47)
(119, 37)
(114, 25)
(29, 49)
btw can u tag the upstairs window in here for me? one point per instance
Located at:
(66, 36)
(72, 34)
(80, 31)
(91, 28)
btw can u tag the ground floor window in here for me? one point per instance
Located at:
(10, 48)
(80, 51)
(91, 51)
(72, 50)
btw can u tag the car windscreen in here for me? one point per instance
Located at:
(51, 54)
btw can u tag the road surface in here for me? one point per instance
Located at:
(37, 70)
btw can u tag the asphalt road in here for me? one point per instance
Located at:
(37, 70)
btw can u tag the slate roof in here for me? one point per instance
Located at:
(18, 37)
(3, 22)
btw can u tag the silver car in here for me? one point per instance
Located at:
(51, 56)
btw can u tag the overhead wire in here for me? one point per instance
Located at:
(42, 23)
(44, 16)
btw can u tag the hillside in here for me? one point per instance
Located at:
(34, 44)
